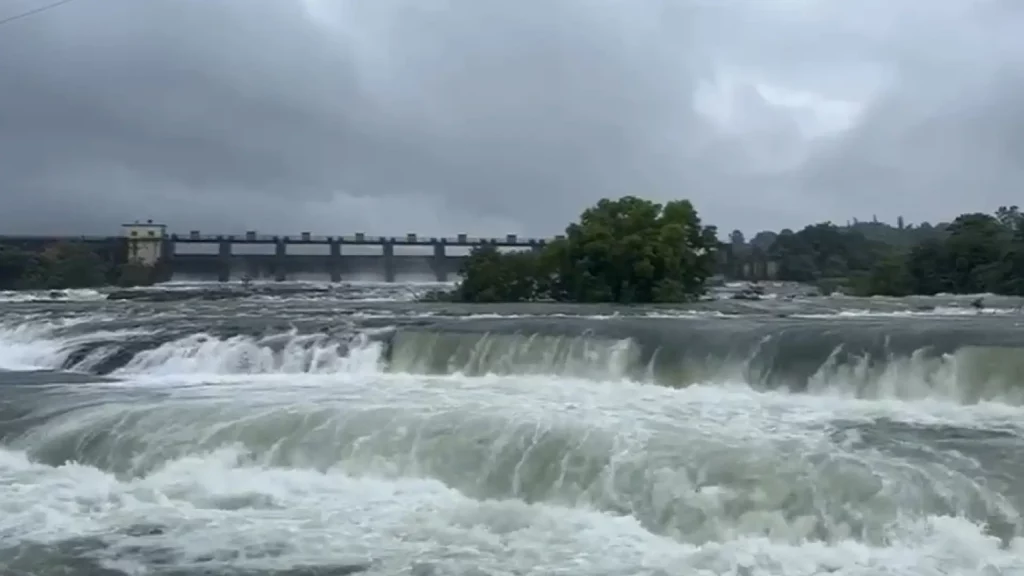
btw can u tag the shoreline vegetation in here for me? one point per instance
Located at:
(635, 251)
(69, 265)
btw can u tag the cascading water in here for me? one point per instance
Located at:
(299, 437)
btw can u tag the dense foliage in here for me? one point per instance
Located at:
(627, 250)
(636, 251)
(65, 265)
(975, 253)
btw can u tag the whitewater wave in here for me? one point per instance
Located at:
(931, 312)
(967, 367)
(188, 513)
(621, 475)
(67, 295)
(308, 440)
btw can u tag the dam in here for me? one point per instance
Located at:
(226, 257)
(337, 257)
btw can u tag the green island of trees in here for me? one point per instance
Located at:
(628, 250)
(633, 251)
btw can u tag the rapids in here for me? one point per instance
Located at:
(351, 432)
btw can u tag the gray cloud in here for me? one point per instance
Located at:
(440, 116)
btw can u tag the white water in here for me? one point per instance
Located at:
(394, 510)
(338, 518)
(958, 378)
(217, 502)
(76, 295)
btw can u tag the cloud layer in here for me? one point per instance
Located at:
(441, 116)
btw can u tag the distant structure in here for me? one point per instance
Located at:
(253, 256)
(257, 256)
(144, 242)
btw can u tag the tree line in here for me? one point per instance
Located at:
(63, 265)
(632, 250)
(975, 253)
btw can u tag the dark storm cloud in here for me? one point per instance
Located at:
(441, 116)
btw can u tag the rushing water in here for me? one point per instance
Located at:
(345, 432)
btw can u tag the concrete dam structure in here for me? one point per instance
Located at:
(261, 257)
(337, 257)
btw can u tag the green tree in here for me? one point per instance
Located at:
(492, 276)
(65, 265)
(628, 250)
(822, 251)
(20, 269)
(1013, 281)
(926, 265)
(975, 253)
(763, 240)
(736, 238)
(890, 277)
(73, 265)
(1010, 217)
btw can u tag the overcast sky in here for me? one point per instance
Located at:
(443, 116)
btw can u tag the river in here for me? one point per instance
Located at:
(353, 431)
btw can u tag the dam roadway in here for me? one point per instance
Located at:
(255, 256)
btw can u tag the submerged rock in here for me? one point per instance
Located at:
(750, 292)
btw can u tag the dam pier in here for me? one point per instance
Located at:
(255, 256)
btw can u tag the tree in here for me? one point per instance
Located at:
(763, 240)
(736, 238)
(823, 251)
(1013, 283)
(628, 250)
(19, 269)
(1011, 218)
(973, 254)
(889, 277)
(974, 251)
(67, 265)
(491, 276)
(926, 267)
(71, 265)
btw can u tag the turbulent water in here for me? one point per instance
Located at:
(349, 432)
